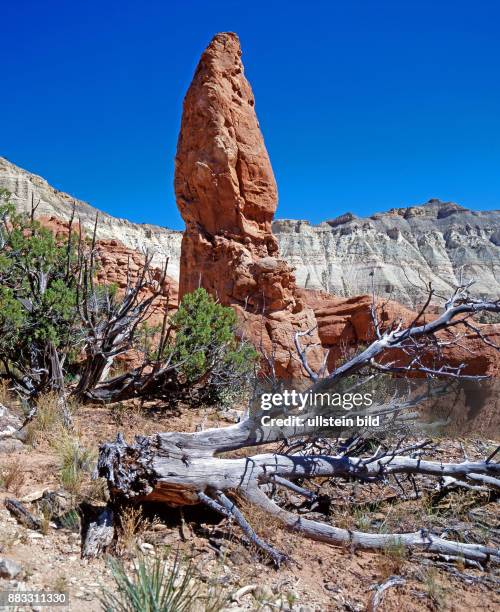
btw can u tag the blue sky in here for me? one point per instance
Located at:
(364, 105)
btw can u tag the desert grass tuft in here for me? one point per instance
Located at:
(394, 559)
(13, 476)
(76, 461)
(433, 589)
(48, 418)
(131, 526)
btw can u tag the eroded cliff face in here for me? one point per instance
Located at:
(397, 253)
(403, 248)
(26, 187)
(345, 325)
(227, 196)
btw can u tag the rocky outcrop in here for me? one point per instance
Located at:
(345, 325)
(120, 265)
(397, 253)
(26, 188)
(227, 196)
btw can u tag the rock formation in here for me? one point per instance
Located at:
(345, 324)
(403, 248)
(397, 252)
(227, 196)
(26, 188)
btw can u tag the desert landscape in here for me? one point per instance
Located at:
(135, 469)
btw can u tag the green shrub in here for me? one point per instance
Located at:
(207, 349)
(38, 289)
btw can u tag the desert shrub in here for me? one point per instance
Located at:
(38, 315)
(60, 328)
(487, 317)
(207, 349)
(150, 587)
(13, 476)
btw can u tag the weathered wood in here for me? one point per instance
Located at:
(99, 535)
(421, 540)
(185, 468)
(392, 581)
(21, 514)
(229, 509)
(181, 473)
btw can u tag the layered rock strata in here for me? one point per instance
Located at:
(396, 252)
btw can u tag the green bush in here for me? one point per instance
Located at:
(38, 288)
(52, 310)
(207, 349)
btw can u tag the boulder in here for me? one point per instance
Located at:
(9, 569)
(9, 423)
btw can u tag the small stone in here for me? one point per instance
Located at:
(9, 569)
(10, 445)
(232, 415)
(32, 496)
(159, 527)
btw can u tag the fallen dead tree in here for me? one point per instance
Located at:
(187, 468)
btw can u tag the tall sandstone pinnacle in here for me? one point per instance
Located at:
(227, 196)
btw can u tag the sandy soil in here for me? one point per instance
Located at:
(320, 577)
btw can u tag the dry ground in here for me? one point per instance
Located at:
(321, 577)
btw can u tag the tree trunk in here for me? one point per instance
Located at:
(183, 469)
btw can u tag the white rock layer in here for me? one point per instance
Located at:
(398, 252)
(159, 241)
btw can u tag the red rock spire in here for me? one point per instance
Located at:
(227, 196)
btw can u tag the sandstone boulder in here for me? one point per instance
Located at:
(345, 325)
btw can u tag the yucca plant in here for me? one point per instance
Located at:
(150, 586)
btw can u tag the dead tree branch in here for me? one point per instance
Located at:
(187, 468)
